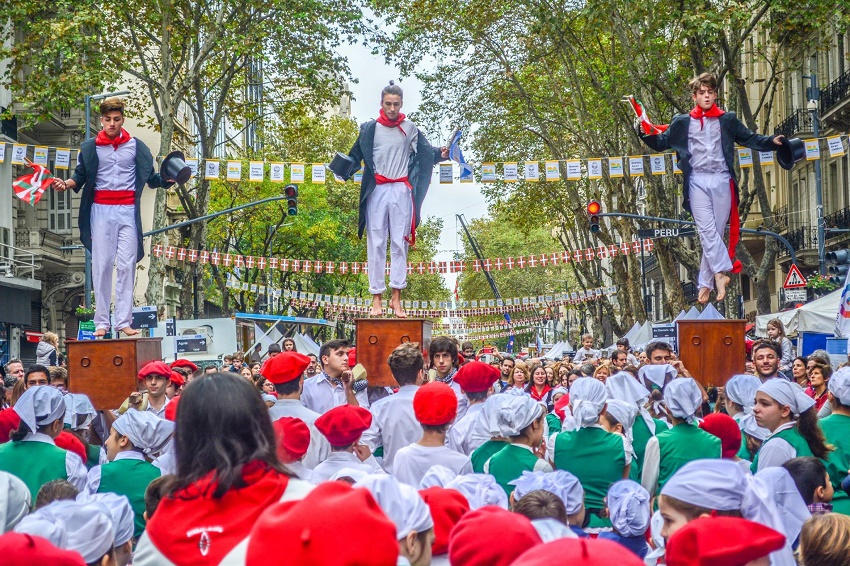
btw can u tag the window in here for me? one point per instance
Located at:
(59, 212)
(745, 287)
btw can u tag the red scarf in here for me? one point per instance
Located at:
(698, 114)
(103, 139)
(194, 528)
(384, 121)
(539, 396)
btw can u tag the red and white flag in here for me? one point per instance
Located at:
(29, 188)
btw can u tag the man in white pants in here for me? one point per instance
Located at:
(396, 176)
(112, 170)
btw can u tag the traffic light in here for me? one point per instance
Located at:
(291, 193)
(839, 262)
(593, 210)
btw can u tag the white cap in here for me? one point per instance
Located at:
(741, 390)
(788, 394)
(628, 507)
(587, 399)
(839, 385)
(560, 482)
(144, 429)
(625, 413)
(713, 483)
(356, 474)
(516, 414)
(683, 398)
(624, 387)
(437, 476)
(402, 504)
(487, 422)
(40, 406)
(657, 374)
(119, 509)
(15, 501)
(52, 529)
(480, 490)
(77, 404)
(89, 527)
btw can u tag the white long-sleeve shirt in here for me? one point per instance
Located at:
(321, 395)
(413, 462)
(465, 436)
(394, 424)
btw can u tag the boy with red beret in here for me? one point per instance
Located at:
(155, 375)
(293, 441)
(435, 406)
(723, 541)
(286, 372)
(476, 380)
(342, 426)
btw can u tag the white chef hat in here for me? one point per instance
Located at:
(89, 527)
(488, 417)
(437, 476)
(656, 375)
(40, 406)
(839, 385)
(551, 529)
(76, 405)
(625, 413)
(119, 509)
(560, 482)
(683, 398)
(713, 483)
(144, 429)
(480, 490)
(628, 507)
(624, 387)
(269, 398)
(15, 501)
(559, 391)
(52, 529)
(516, 414)
(356, 474)
(587, 399)
(788, 394)
(741, 390)
(401, 503)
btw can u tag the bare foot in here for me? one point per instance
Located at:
(377, 306)
(100, 332)
(398, 311)
(129, 331)
(722, 281)
(704, 293)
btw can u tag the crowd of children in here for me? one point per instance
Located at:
(464, 463)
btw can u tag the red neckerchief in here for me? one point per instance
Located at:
(698, 114)
(195, 528)
(103, 139)
(384, 121)
(539, 396)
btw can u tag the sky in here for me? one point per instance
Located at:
(443, 201)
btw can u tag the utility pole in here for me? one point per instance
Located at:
(813, 94)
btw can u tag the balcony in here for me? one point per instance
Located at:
(797, 123)
(780, 215)
(689, 289)
(835, 102)
(801, 239)
(650, 263)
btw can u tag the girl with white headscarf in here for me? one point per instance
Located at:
(789, 414)
(595, 456)
(669, 450)
(836, 429)
(32, 455)
(628, 507)
(740, 398)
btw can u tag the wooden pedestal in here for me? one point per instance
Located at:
(378, 337)
(106, 370)
(712, 350)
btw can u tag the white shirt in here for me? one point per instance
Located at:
(166, 462)
(392, 149)
(319, 447)
(394, 424)
(466, 435)
(462, 401)
(321, 395)
(116, 169)
(161, 412)
(74, 467)
(413, 462)
(94, 475)
(776, 452)
(300, 471)
(585, 353)
(336, 461)
(705, 147)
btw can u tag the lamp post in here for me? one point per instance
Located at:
(88, 99)
(813, 94)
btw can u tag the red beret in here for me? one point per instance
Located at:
(178, 379)
(352, 357)
(560, 406)
(334, 525)
(512, 534)
(447, 507)
(579, 552)
(293, 438)
(18, 549)
(285, 367)
(171, 409)
(343, 425)
(720, 541)
(69, 442)
(435, 404)
(9, 422)
(476, 377)
(726, 429)
(181, 363)
(155, 368)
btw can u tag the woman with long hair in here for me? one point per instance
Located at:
(539, 388)
(550, 375)
(228, 473)
(790, 416)
(798, 371)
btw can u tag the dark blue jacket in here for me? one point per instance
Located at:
(418, 171)
(732, 131)
(86, 173)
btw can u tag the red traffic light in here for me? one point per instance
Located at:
(291, 193)
(593, 207)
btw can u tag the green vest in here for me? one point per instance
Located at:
(593, 455)
(641, 435)
(509, 464)
(483, 453)
(35, 463)
(793, 437)
(682, 444)
(743, 452)
(131, 478)
(92, 456)
(836, 428)
(554, 423)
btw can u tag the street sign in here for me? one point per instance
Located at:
(796, 295)
(666, 333)
(144, 317)
(192, 344)
(794, 279)
(656, 233)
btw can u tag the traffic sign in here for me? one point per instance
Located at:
(796, 295)
(144, 317)
(191, 344)
(656, 233)
(794, 279)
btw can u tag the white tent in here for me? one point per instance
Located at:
(692, 314)
(680, 316)
(305, 345)
(710, 313)
(557, 351)
(633, 331)
(643, 337)
(816, 316)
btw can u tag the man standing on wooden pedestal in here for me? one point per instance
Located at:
(396, 176)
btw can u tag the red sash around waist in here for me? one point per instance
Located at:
(115, 197)
(381, 180)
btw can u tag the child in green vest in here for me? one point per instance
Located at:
(739, 395)
(671, 449)
(32, 455)
(79, 414)
(836, 429)
(134, 437)
(526, 498)
(619, 418)
(790, 416)
(487, 425)
(521, 420)
(623, 386)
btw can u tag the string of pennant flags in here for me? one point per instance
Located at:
(433, 267)
(511, 171)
